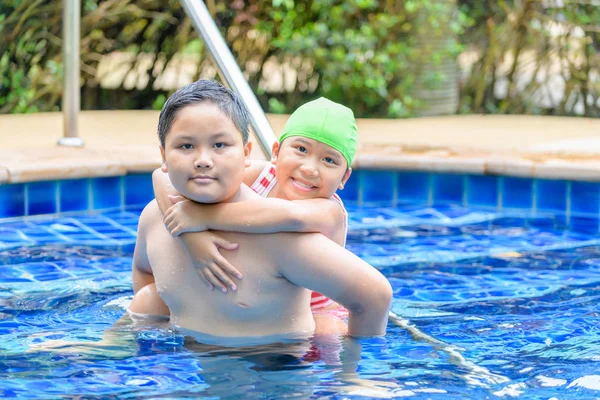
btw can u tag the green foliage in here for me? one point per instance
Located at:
(376, 56)
(527, 49)
(358, 52)
(276, 107)
(31, 49)
(159, 102)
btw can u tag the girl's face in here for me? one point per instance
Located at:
(308, 169)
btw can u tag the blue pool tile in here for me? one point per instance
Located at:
(543, 222)
(74, 195)
(12, 200)
(121, 236)
(551, 195)
(351, 188)
(42, 198)
(138, 189)
(482, 191)
(585, 199)
(127, 247)
(38, 268)
(378, 187)
(52, 276)
(11, 275)
(561, 221)
(584, 224)
(11, 235)
(76, 237)
(517, 192)
(47, 239)
(107, 192)
(413, 186)
(448, 188)
(106, 228)
(137, 210)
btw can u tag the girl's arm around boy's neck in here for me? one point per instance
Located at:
(265, 215)
(270, 215)
(262, 215)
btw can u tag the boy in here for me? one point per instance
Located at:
(203, 130)
(312, 159)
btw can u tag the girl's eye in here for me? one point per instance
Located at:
(186, 146)
(301, 149)
(329, 160)
(219, 145)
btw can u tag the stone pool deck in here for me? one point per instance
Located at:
(118, 142)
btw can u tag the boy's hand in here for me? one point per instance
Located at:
(213, 268)
(184, 216)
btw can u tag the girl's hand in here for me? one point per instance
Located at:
(214, 269)
(183, 216)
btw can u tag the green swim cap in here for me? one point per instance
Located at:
(327, 122)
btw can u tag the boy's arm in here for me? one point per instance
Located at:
(317, 263)
(257, 216)
(141, 270)
(148, 302)
(146, 299)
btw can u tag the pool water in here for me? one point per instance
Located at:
(486, 305)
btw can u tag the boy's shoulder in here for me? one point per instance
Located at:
(282, 245)
(150, 215)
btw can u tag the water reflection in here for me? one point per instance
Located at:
(167, 361)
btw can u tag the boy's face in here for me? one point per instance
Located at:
(308, 169)
(204, 154)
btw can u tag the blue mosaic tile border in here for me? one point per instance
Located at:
(74, 195)
(577, 202)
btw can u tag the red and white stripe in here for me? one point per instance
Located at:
(317, 301)
(265, 181)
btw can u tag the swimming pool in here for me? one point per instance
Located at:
(490, 304)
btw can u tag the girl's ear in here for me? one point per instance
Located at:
(163, 166)
(345, 178)
(247, 152)
(275, 152)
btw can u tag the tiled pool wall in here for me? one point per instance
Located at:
(577, 202)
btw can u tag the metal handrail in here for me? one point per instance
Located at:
(215, 44)
(72, 74)
(229, 70)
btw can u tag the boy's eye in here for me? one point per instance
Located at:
(301, 149)
(186, 146)
(219, 145)
(329, 160)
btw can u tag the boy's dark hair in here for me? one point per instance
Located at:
(204, 90)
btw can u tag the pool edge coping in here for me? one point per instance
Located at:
(81, 163)
(121, 142)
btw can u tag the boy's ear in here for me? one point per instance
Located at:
(247, 152)
(345, 178)
(274, 152)
(163, 166)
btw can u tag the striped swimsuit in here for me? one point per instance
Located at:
(263, 186)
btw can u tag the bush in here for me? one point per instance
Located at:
(357, 52)
(526, 52)
(31, 58)
(363, 53)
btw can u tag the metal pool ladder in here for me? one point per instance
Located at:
(228, 69)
